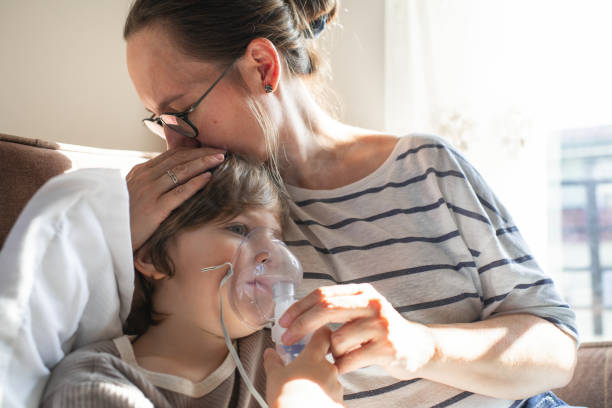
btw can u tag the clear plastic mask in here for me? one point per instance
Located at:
(261, 265)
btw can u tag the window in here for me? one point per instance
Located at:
(523, 89)
(586, 226)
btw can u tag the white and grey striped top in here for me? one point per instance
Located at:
(426, 231)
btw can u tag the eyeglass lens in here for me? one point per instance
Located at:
(173, 123)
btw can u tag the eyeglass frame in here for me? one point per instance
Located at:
(184, 114)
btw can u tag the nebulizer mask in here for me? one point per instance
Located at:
(261, 282)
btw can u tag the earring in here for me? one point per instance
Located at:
(268, 88)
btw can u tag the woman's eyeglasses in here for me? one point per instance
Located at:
(179, 122)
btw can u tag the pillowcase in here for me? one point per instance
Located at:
(66, 278)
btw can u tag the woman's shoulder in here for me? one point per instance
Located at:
(378, 148)
(420, 152)
(415, 142)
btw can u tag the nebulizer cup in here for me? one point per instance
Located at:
(261, 282)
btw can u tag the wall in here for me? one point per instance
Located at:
(356, 48)
(63, 75)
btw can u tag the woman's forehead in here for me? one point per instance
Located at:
(159, 70)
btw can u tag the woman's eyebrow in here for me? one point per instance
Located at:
(163, 105)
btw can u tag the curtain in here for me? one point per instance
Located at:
(502, 80)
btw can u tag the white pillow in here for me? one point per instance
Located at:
(66, 278)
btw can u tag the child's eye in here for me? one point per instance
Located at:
(239, 229)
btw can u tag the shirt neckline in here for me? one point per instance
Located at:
(300, 193)
(175, 383)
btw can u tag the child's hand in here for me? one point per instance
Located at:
(309, 380)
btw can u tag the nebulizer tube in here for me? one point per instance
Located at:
(261, 282)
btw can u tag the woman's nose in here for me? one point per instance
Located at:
(174, 140)
(262, 257)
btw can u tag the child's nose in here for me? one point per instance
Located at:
(262, 257)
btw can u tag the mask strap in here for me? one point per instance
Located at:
(228, 341)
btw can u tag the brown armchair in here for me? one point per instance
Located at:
(25, 165)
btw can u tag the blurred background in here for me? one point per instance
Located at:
(522, 88)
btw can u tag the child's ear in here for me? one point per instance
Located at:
(143, 264)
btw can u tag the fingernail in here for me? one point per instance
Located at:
(283, 321)
(219, 157)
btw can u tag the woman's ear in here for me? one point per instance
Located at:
(260, 66)
(143, 264)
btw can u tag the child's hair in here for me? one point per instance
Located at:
(237, 185)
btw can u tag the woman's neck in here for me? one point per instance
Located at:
(313, 145)
(179, 348)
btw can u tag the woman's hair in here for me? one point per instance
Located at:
(237, 186)
(220, 30)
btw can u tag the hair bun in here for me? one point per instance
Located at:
(313, 15)
(316, 27)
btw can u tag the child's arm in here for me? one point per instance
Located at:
(309, 380)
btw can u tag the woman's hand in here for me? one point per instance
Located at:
(373, 331)
(309, 380)
(154, 192)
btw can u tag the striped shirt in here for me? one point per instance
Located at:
(427, 232)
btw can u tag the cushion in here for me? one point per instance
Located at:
(592, 382)
(26, 164)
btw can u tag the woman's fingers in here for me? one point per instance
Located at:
(319, 295)
(356, 333)
(175, 197)
(319, 344)
(179, 155)
(181, 173)
(338, 309)
(366, 355)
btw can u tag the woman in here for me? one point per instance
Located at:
(435, 284)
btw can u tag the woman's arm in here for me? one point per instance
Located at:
(511, 356)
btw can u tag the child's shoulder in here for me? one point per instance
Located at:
(93, 363)
(104, 349)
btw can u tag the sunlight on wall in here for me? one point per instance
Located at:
(63, 75)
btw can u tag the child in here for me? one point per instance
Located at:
(178, 356)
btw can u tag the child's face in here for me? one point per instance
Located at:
(192, 295)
